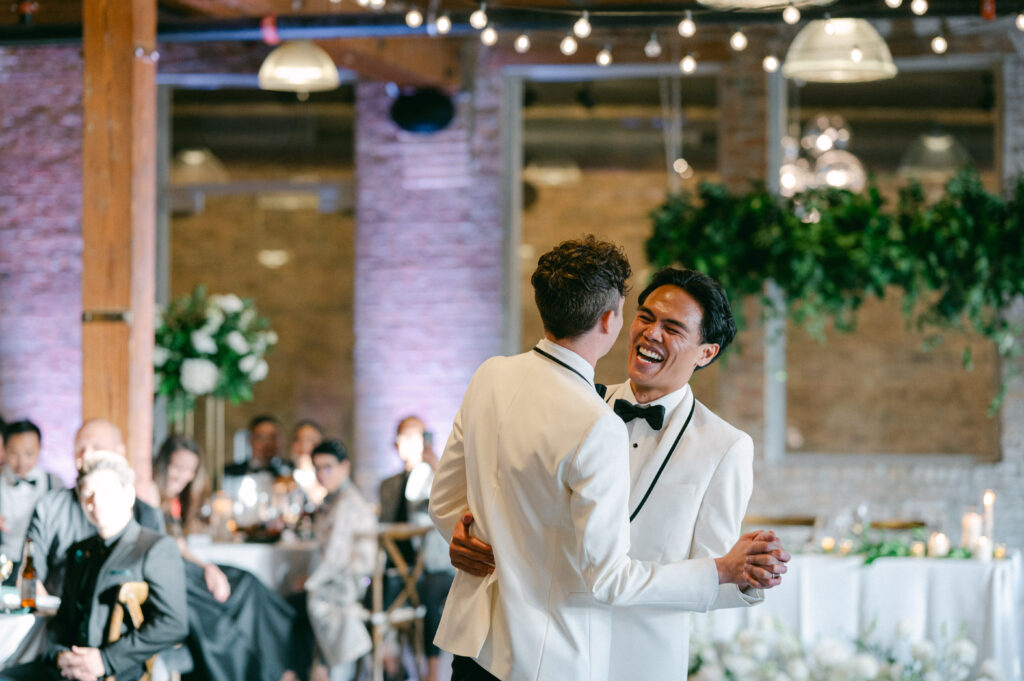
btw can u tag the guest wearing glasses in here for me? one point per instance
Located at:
(238, 628)
(22, 483)
(119, 551)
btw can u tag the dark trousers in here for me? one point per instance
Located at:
(466, 669)
(31, 671)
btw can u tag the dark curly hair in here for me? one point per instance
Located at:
(578, 281)
(716, 321)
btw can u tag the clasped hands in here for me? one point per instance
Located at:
(81, 664)
(757, 560)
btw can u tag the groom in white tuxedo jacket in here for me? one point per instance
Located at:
(691, 473)
(541, 462)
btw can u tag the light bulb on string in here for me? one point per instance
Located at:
(856, 55)
(687, 27)
(893, 4)
(919, 7)
(830, 28)
(522, 44)
(363, 3)
(688, 64)
(1020, 21)
(582, 26)
(653, 48)
(377, 4)
(604, 57)
(791, 14)
(489, 36)
(414, 18)
(568, 46)
(738, 41)
(939, 45)
(443, 24)
(770, 63)
(478, 19)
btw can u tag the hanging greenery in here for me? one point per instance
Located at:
(958, 261)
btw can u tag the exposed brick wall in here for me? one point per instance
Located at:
(429, 270)
(41, 245)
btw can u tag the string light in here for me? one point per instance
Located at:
(489, 36)
(478, 19)
(830, 28)
(377, 4)
(687, 27)
(770, 63)
(568, 46)
(939, 45)
(582, 26)
(738, 41)
(653, 48)
(414, 18)
(791, 14)
(893, 4)
(919, 7)
(688, 64)
(1020, 21)
(856, 55)
(522, 44)
(604, 57)
(443, 24)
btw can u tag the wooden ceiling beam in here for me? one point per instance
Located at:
(421, 62)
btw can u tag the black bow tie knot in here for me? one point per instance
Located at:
(627, 411)
(30, 481)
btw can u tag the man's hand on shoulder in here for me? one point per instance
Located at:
(469, 554)
(757, 559)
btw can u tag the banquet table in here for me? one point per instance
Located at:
(22, 637)
(280, 565)
(841, 597)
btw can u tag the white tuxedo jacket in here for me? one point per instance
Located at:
(541, 461)
(694, 511)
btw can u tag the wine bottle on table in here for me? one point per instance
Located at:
(27, 579)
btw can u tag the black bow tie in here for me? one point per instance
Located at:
(30, 481)
(627, 411)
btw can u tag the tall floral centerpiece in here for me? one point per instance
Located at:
(211, 346)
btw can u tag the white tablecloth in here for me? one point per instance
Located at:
(22, 638)
(280, 566)
(831, 596)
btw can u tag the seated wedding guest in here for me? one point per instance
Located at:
(252, 482)
(58, 520)
(404, 498)
(238, 628)
(22, 483)
(307, 434)
(120, 551)
(345, 528)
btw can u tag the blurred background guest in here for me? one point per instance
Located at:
(404, 498)
(119, 550)
(238, 628)
(307, 435)
(345, 528)
(22, 483)
(58, 520)
(252, 482)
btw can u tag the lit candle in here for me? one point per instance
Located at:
(989, 500)
(828, 544)
(970, 529)
(917, 549)
(845, 546)
(938, 545)
(999, 551)
(983, 549)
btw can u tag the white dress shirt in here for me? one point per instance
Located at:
(17, 500)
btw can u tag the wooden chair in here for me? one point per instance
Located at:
(405, 613)
(130, 597)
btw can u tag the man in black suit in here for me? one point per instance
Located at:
(59, 521)
(121, 551)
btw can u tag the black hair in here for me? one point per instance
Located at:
(578, 281)
(334, 447)
(716, 321)
(308, 422)
(20, 427)
(261, 419)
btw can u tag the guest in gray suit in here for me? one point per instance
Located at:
(58, 520)
(122, 551)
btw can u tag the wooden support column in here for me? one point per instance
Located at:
(119, 220)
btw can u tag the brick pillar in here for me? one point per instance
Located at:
(743, 119)
(429, 269)
(41, 244)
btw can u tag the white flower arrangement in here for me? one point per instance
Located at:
(768, 651)
(210, 345)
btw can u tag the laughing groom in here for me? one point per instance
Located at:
(542, 463)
